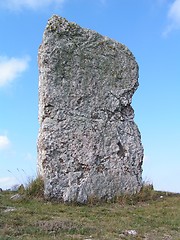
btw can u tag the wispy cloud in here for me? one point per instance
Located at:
(103, 1)
(16, 5)
(173, 17)
(161, 2)
(11, 68)
(4, 142)
(29, 157)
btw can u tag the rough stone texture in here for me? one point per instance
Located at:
(88, 144)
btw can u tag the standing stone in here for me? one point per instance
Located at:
(88, 144)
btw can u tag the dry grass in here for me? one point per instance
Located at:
(153, 215)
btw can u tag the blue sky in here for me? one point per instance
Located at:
(149, 28)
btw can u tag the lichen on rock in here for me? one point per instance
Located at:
(88, 143)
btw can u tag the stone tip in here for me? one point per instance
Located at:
(59, 24)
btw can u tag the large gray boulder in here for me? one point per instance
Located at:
(88, 145)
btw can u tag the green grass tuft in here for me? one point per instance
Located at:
(34, 189)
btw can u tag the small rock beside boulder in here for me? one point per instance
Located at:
(17, 197)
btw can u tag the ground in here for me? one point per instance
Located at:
(154, 218)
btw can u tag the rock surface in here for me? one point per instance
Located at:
(88, 143)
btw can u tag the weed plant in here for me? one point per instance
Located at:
(35, 188)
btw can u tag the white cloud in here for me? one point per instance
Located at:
(15, 5)
(8, 182)
(174, 17)
(4, 142)
(11, 68)
(174, 12)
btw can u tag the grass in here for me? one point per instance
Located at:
(153, 215)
